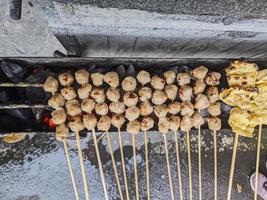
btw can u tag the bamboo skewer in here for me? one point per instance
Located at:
(70, 169)
(82, 166)
(21, 84)
(178, 166)
(168, 165)
(135, 168)
(189, 164)
(215, 164)
(16, 106)
(147, 167)
(257, 162)
(199, 164)
(114, 165)
(232, 167)
(123, 165)
(100, 165)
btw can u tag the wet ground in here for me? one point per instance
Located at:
(36, 167)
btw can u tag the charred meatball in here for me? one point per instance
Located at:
(214, 109)
(158, 97)
(133, 127)
(185, 93)
(65, 79)
(112, 79)
(199, 87)
(97, 79)
(104, 123)
(157, 83)
(213, 78)
(174, 123)
(117, 120)
(89, 121)
(51, 84)
(132, 113)
(101, 109)
(213, 94)
(143, 77)
(68, 93)
(113, 94)
(76, 124)
(59, 116)
(174, 107)
(145, 94)
(164, 125)
(214, 123)
(73, 108)
(200, 72)
(187, 108)
(56, 101)
(82, 76)
(117, 107)
(88, 105)
(147, 123)
(202, 102)
(129, 84)
(186, 123)
(84, 91)
(183, 79)
(198, 120)
(98, 94)
(169, 76)
(146, 108)
(130, 99)
(171, 91)
(161, 111)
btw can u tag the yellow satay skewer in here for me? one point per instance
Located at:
(70, 169)
(100, 165)
(114, 165)
(257, 162)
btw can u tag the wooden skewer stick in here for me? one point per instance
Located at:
(232, 167)
(16, 106)
(189, 164)
(168, 165)
(178, 166)
(70, 169)
(199, 164)
(147, 167)
(123, 165)
(100, 165)
(21, 84)
(258, 162)
(114, 165)
(87, 197)
(135, 168)
(215, 164)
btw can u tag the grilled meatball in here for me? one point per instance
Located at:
(145, 93)
(164, 125)
(65, 79)
(158, 97)
(214, 109)
(51, 84)
(147, 123)
(56, 101)
(213, 94)
(132, 113)
(59, 116)
(174, 123)
(200, 72)
(199, 87)
(169, 76)
(97, 79)
(117, 120)
(82, 76)
(146, 108)
(183, 79)
(133, 127)
(98, 94)
(68, 93)
(157, 83)
(161, 111)
(73, 108)
(117, 107)
(129, 84)
(89, 121)
(101, 108)
(171, 91)
(213, 78)
(113, 94)
(130, 99)
(214, 123)
(62, 132)
(198, 120)
(112, 79)
(185, 93)
(88, 105)
(187, 108)
(174, 107)
(202, 102)
(186, 123)
(84, 91)
(143, 77)
(76, 124)
(104, 123)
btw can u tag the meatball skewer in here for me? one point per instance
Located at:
(174, 126)
(103, 125)
(186, 125)
(133, 127)
(76, 126)
(147, 123)
(164, 126)
(61, 134)
(198, 122)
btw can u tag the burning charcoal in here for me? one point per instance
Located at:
(130, 71)
(13, 71)
(121, 70)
